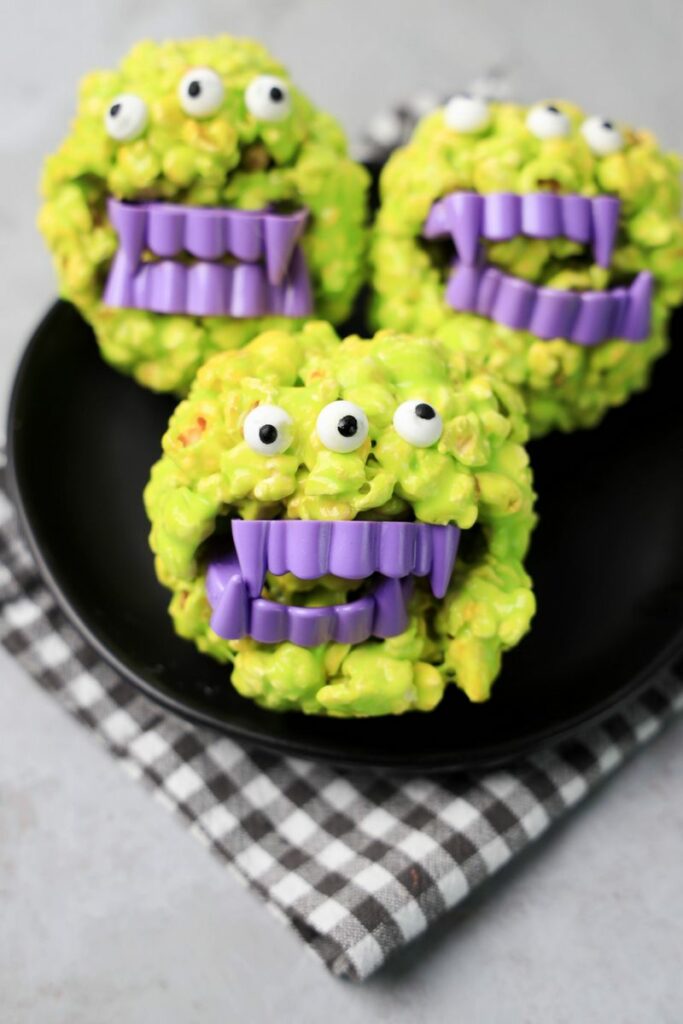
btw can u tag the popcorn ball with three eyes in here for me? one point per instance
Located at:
(345, 523)
(199, 199)
(544, 244)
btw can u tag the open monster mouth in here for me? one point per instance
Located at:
(204, 261)
(474, 286)
(389, 554)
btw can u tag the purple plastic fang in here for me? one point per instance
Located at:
(267, 275)
(500, 216)
(309, 548)
(585, 318)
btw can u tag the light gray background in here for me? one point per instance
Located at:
(109, 911)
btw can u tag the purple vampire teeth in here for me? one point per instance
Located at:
(395, 552)
(244, 263)
(585, 318)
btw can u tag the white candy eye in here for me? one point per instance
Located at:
(418, 423)
(342, 426)
(467, 114)
(602, 136)
(267, 98)
(268, 429)
(126, 117)
(200, 92)
(547, 121)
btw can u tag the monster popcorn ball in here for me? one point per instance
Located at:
(200, 199)
(346, 522)
(545, 244)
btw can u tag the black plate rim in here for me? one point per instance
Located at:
(485, 757)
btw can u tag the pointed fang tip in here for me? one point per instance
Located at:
(605, 210)
(250, 538)
(445, 544)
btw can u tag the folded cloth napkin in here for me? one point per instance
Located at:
(393, 126)
(357, 863)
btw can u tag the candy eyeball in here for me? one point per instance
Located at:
(126, 117)
(268, 98)
(467, 114)
(342, 426)
(200, 92)
(546, 121)
(418, 423)
(268, 429)
(603, 137)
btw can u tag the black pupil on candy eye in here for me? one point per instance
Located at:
(267, 433)
(276, 94)
(194, 89)
(608, 125)
(114, 109)
(552, 109)
(348, 426)
(424, 411)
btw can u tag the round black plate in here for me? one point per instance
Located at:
(607, 559)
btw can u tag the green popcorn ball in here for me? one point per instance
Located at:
(491, 210)
(176, 146)
(299, 431)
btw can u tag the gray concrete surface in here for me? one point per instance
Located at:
(109, 910)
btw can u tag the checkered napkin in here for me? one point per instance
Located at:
(357, 863)
(394, 126)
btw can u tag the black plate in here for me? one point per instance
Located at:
(607, 559)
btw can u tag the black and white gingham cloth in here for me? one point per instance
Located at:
(393, 127)
(358, 864)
